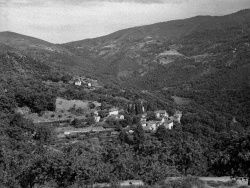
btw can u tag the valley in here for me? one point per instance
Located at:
(148, 103)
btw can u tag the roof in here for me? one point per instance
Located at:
(152, 122)
(178, 112)
(169, 121)
(113, 109)
(160, 111)
(146, 128)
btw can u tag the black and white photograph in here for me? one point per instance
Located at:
(124, 93)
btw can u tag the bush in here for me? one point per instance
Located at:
(91, 105)
(80, 111)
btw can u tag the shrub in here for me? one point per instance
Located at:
(91, 105)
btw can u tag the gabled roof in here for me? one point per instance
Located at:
(160, 111)
(113, 109)
(168, 121)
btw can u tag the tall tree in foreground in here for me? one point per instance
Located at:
(235, 156)
(188, 156)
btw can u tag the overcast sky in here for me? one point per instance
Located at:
(61, 21)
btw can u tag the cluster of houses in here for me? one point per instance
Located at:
(162, 118)
(114, 113)
(84, 81)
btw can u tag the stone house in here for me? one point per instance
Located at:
(152, 125)
(78, 83)
(161, 114)
(143, 120)
(113, 111)
(168, 124)
(97, 119)
(177, 116)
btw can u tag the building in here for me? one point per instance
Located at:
(161, 114)
(177, 116)
(121, 117)
(97, 119)
(143, 120)
(95, 112)
(152, 126)
(78, 83)
(169, 124)
(113, 111)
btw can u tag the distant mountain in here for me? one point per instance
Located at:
(184, 52)
(16, 65)
(169, 53)
(51, 54)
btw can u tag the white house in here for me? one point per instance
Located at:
(177, 116)
(95, 112)
(121, 117)
(113, 111)
(97, 119)
(152, 125)
(78, 83)
(161, 113)
(169, 124)
(143, 122)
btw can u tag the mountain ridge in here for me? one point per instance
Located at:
(135, 54)
(241, 12)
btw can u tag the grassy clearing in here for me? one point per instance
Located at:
(63, 104)
(181, 100)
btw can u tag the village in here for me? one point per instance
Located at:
(74, 119)
(95, 122)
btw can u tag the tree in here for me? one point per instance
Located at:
(136, 120)
(90, 120)
(235, 156)
(45, 134)
(91, 105)
(152, 162)
(76, 123)
(139, 135)
(188, 156)
(161, 132)
(35, 174)
(6, 104)
(151, 116)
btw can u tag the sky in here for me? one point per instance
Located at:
(60, 21)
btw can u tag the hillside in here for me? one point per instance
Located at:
(153, 56)
(169, 53)
(53, 55)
